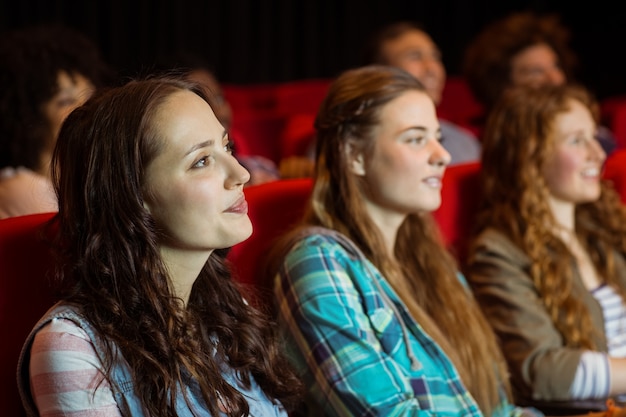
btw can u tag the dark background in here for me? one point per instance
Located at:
(263, 41)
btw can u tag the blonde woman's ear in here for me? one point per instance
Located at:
(356, 160)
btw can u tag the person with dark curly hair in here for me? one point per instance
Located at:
(45, 72)
(548, 262)
(149, 321)
(522, 48)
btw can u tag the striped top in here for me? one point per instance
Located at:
(66, 374)
(60, 373)
(614, 311)
(592, 378)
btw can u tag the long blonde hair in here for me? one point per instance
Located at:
(517, 142)
(421, 271)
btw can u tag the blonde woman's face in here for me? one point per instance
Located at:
(403, 174)
(573, 167)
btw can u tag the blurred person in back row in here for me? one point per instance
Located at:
(408, 46)
(522, 48)
(45, 72)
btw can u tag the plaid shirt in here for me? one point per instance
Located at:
(350, 345)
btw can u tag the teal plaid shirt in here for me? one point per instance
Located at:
(350, 346)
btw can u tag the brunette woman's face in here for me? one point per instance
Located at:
(194, 185)
(573, 166)
(404, 171)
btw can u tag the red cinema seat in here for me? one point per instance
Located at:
(298, 135)
(26, 264)
(301, 96)
(615, 172)
(274, 208)
(460, 200)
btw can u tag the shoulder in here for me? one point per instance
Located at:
(24, 192)
(324, 259)
(492, 242)
(324, 242)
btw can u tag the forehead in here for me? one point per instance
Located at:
(409, 40)
(535, 54)
(184, 117)
(575, 116)
(410, 109)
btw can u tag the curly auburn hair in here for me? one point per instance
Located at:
(114, 272)
(487, 60)
(517, 143)
(30, 61)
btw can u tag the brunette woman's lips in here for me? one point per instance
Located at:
(240, 207)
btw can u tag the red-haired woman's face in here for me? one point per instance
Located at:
(573, 167)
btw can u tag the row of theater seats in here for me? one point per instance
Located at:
(275, 207)
(276, 120)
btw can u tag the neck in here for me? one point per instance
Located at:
(563, 212)
(388, 225)
(184, 268)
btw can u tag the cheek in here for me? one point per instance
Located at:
(562, 170)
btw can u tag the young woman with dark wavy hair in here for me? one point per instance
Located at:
(150, 322)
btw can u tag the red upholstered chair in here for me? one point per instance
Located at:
(460, 200)
(301, 96)
(259, 133)
(274, 208)
(615, 171)
(298, 135)
(26, 263)
(458, 105)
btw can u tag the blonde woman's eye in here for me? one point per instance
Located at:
(202, 162)
(417, 139)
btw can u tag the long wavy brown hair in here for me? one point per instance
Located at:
(114, 272)
(517, 143)
(421, 271)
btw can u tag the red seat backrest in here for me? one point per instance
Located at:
(301, 96)
(458, 105)
(460, 200)
(615, 171)
(274, 208)
(26, 263)
(298, 135)
(259, 133)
